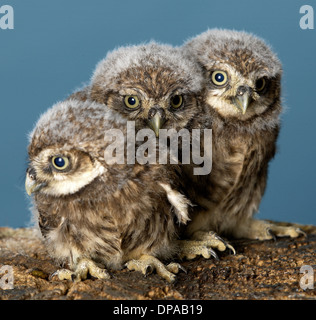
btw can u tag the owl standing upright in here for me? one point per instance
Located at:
(92, 212)
(243, 84)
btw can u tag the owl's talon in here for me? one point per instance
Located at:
(231, 248)
(61, 274)
(148, 270)
(183, 269)
(214, 255)
(271, 233)
(226, 244)
(73, 278)
(147, 262)
(301, 232)
(175, 267)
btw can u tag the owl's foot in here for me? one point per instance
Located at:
(203, 245)
(82, 269)
(190, 249)
(146, 264)
(280, 231)
(263, 230)
(214, 241)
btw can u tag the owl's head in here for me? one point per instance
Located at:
(152, 84)
(243, 74)
(65, 149)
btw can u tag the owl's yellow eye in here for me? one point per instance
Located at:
(131, 102)
(260, 84)
(60, 162)
(219, 78)
(176, 101)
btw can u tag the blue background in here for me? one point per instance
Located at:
(55, 46)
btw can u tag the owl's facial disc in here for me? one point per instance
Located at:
(238, 95)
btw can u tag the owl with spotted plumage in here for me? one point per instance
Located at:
(243, 96)
(95, 215)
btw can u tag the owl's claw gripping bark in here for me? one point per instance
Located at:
(175, 267)
(62, 274)
(203, 245)
(214, 241)
(146, 264)
(82, 269)
(190, 249)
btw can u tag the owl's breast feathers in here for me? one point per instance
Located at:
(239, 174)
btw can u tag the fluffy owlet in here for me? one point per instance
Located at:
(243, 83)
(94, 214)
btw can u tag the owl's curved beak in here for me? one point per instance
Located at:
(31, 185)
(156, 119)
(243, 98)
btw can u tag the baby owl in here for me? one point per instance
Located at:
(93, 214)
(153, 84)
(243, 97)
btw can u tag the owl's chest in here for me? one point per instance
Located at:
(77, 225)
(237, 161)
